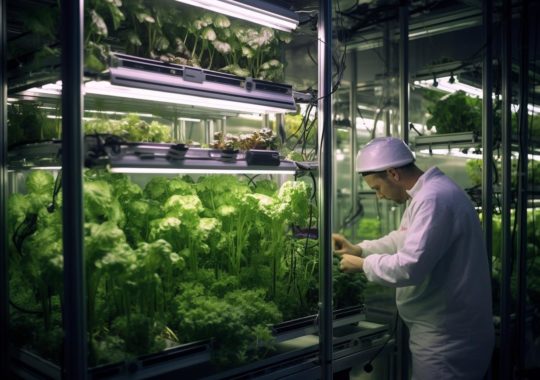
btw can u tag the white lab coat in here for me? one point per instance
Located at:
(438, 263)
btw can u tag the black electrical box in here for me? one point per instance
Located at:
(262, 157)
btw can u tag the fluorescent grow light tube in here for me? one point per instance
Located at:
(259, 12)
(106, 89)
(444, 84)
(148, 170)
(43, 167)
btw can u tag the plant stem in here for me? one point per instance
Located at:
(211, 58)
(195, 47)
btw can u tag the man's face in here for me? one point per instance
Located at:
(387, 187)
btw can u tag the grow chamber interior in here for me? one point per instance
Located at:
(206, 258)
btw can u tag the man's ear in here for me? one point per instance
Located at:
(393, 174)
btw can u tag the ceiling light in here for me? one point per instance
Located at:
(257, 11)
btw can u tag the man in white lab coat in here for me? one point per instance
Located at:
(436, 260)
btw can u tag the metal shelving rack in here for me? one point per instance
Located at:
(316, 347)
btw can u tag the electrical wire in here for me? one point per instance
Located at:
(363, 120)
(368, 367)
(339, 72)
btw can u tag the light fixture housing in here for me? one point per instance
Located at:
(151, 158)
(156, 158)
(200, 86)
(154, 81)
(257, 11)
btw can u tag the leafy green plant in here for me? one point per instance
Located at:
(263, 139)
(28, 123)
(238, 320)
(130, 128)
(174, 262)
(456, 112)
(532, 254)
(474, 168)
(369, 229)
(184, 35)
(99, 17)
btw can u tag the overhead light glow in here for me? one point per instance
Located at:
(451, 85)
(131, 170)
(106, 89)
(340, 156)
(119, 113)
(52, 167)
(444, 84)
(455, 152)
(256, 11)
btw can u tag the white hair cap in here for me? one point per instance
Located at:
(383, 153)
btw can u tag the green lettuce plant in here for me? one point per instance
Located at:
(177, 261)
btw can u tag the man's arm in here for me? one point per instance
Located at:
(351, 255)
(427, 237)
(385, 244)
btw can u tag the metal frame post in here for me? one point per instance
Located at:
(404, 69)
(325, 133)
(487, 132)
(505, 359)
(74, 312)
(4, 286)
(387, 48)
(353, 101)
(401, 331)
(487, 129)
(521, 212)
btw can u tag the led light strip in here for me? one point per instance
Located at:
(443, 84)
(106, 89)
(253, 13)
(195, 171)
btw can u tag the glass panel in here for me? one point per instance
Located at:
(35, 199)
(194, 273)
(201, 264)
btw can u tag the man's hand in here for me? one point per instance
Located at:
(342, 246)
(351, 264)
(349, 253)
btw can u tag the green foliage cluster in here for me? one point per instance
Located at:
(348, 287)
(474, 168)
(262, 139)
(533, 257)
(176, 261)
(457, 112)
(28, 123)
(301, 132)
(369, 229)
(162, 30)
(130, 128)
